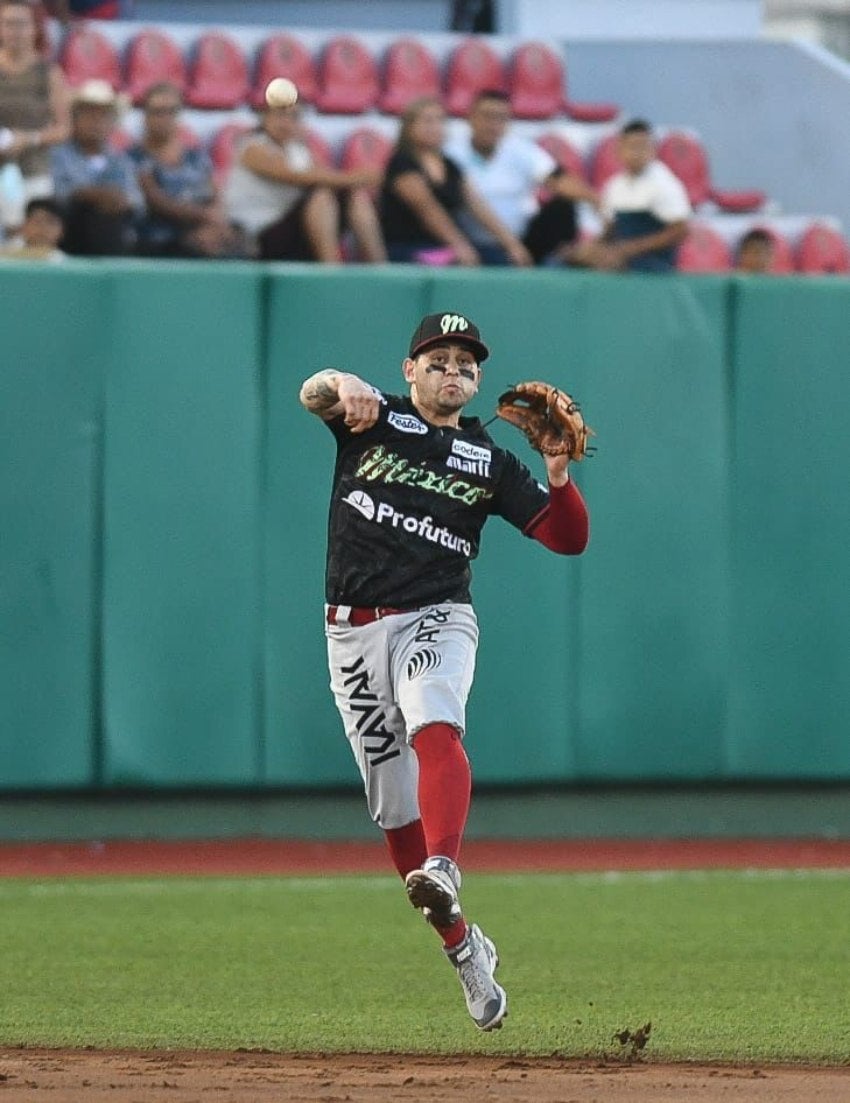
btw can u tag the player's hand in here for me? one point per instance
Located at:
(360, 403)
(556, 469)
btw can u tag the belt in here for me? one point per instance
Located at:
(355, 616)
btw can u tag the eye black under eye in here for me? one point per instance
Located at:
(467, 373)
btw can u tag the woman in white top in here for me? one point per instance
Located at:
(293, 207)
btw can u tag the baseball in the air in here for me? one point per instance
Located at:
(281, 92)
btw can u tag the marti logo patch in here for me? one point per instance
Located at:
(471, 458)
(406, 423)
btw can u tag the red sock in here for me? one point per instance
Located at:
(407, 846)
(454, 935)
(445, 786)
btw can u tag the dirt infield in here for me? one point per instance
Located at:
(127, 1077)
(282, 857)
(88, 1076)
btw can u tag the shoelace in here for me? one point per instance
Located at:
(471, 976)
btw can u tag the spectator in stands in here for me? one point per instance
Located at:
(96, 185)
(295, 209)
(646, 211)
(185, 216)
(508, 171)
(425, 196)
(33, 102)
(754, 254)
(40, 234)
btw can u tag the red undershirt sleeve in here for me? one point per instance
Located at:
(562, 525)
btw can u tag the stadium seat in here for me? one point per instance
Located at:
(319, 148)
(365, 148)
(821, 249)
(87, 54)
(472, 67)
(538, 88)
(348, 77)
(686, 157)
(153, 57)
(410, 71)
(222, 147)
(535, 82)
(564, 152)
(704, 250)
(218, 74)
(605, 161)
(284, 56)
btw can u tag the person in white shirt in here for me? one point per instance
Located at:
(509, 171)
(292, 207)
(646, 211)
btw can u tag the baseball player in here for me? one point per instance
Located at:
(413, 484)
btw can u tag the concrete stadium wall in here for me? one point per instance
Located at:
(164, 501)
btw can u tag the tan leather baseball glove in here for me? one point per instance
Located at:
(550, 419)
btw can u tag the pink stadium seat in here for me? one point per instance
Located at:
(319, 148)
(410, 71)
(566, 154)
(605, 162)
(284, 56)
(821, 249)
(219, 75)
(153, 57)
(686, 157)
(87, 54)
(538, 88)
(222, 147)
(348, 77)
(535, 82)
(704, 250)
(473, 66)
(365, 148)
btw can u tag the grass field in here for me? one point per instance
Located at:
(726, 966)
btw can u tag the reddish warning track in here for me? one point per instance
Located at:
(281, 857)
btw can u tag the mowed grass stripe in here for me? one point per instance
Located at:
(750, 965)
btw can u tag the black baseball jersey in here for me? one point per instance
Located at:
(408, 504)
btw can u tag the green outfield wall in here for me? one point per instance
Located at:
(164, 501)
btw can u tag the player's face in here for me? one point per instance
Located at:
(443, 378)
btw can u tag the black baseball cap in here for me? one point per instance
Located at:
(447, 328)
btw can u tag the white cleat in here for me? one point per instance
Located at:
(434, 889)
(475, 961)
